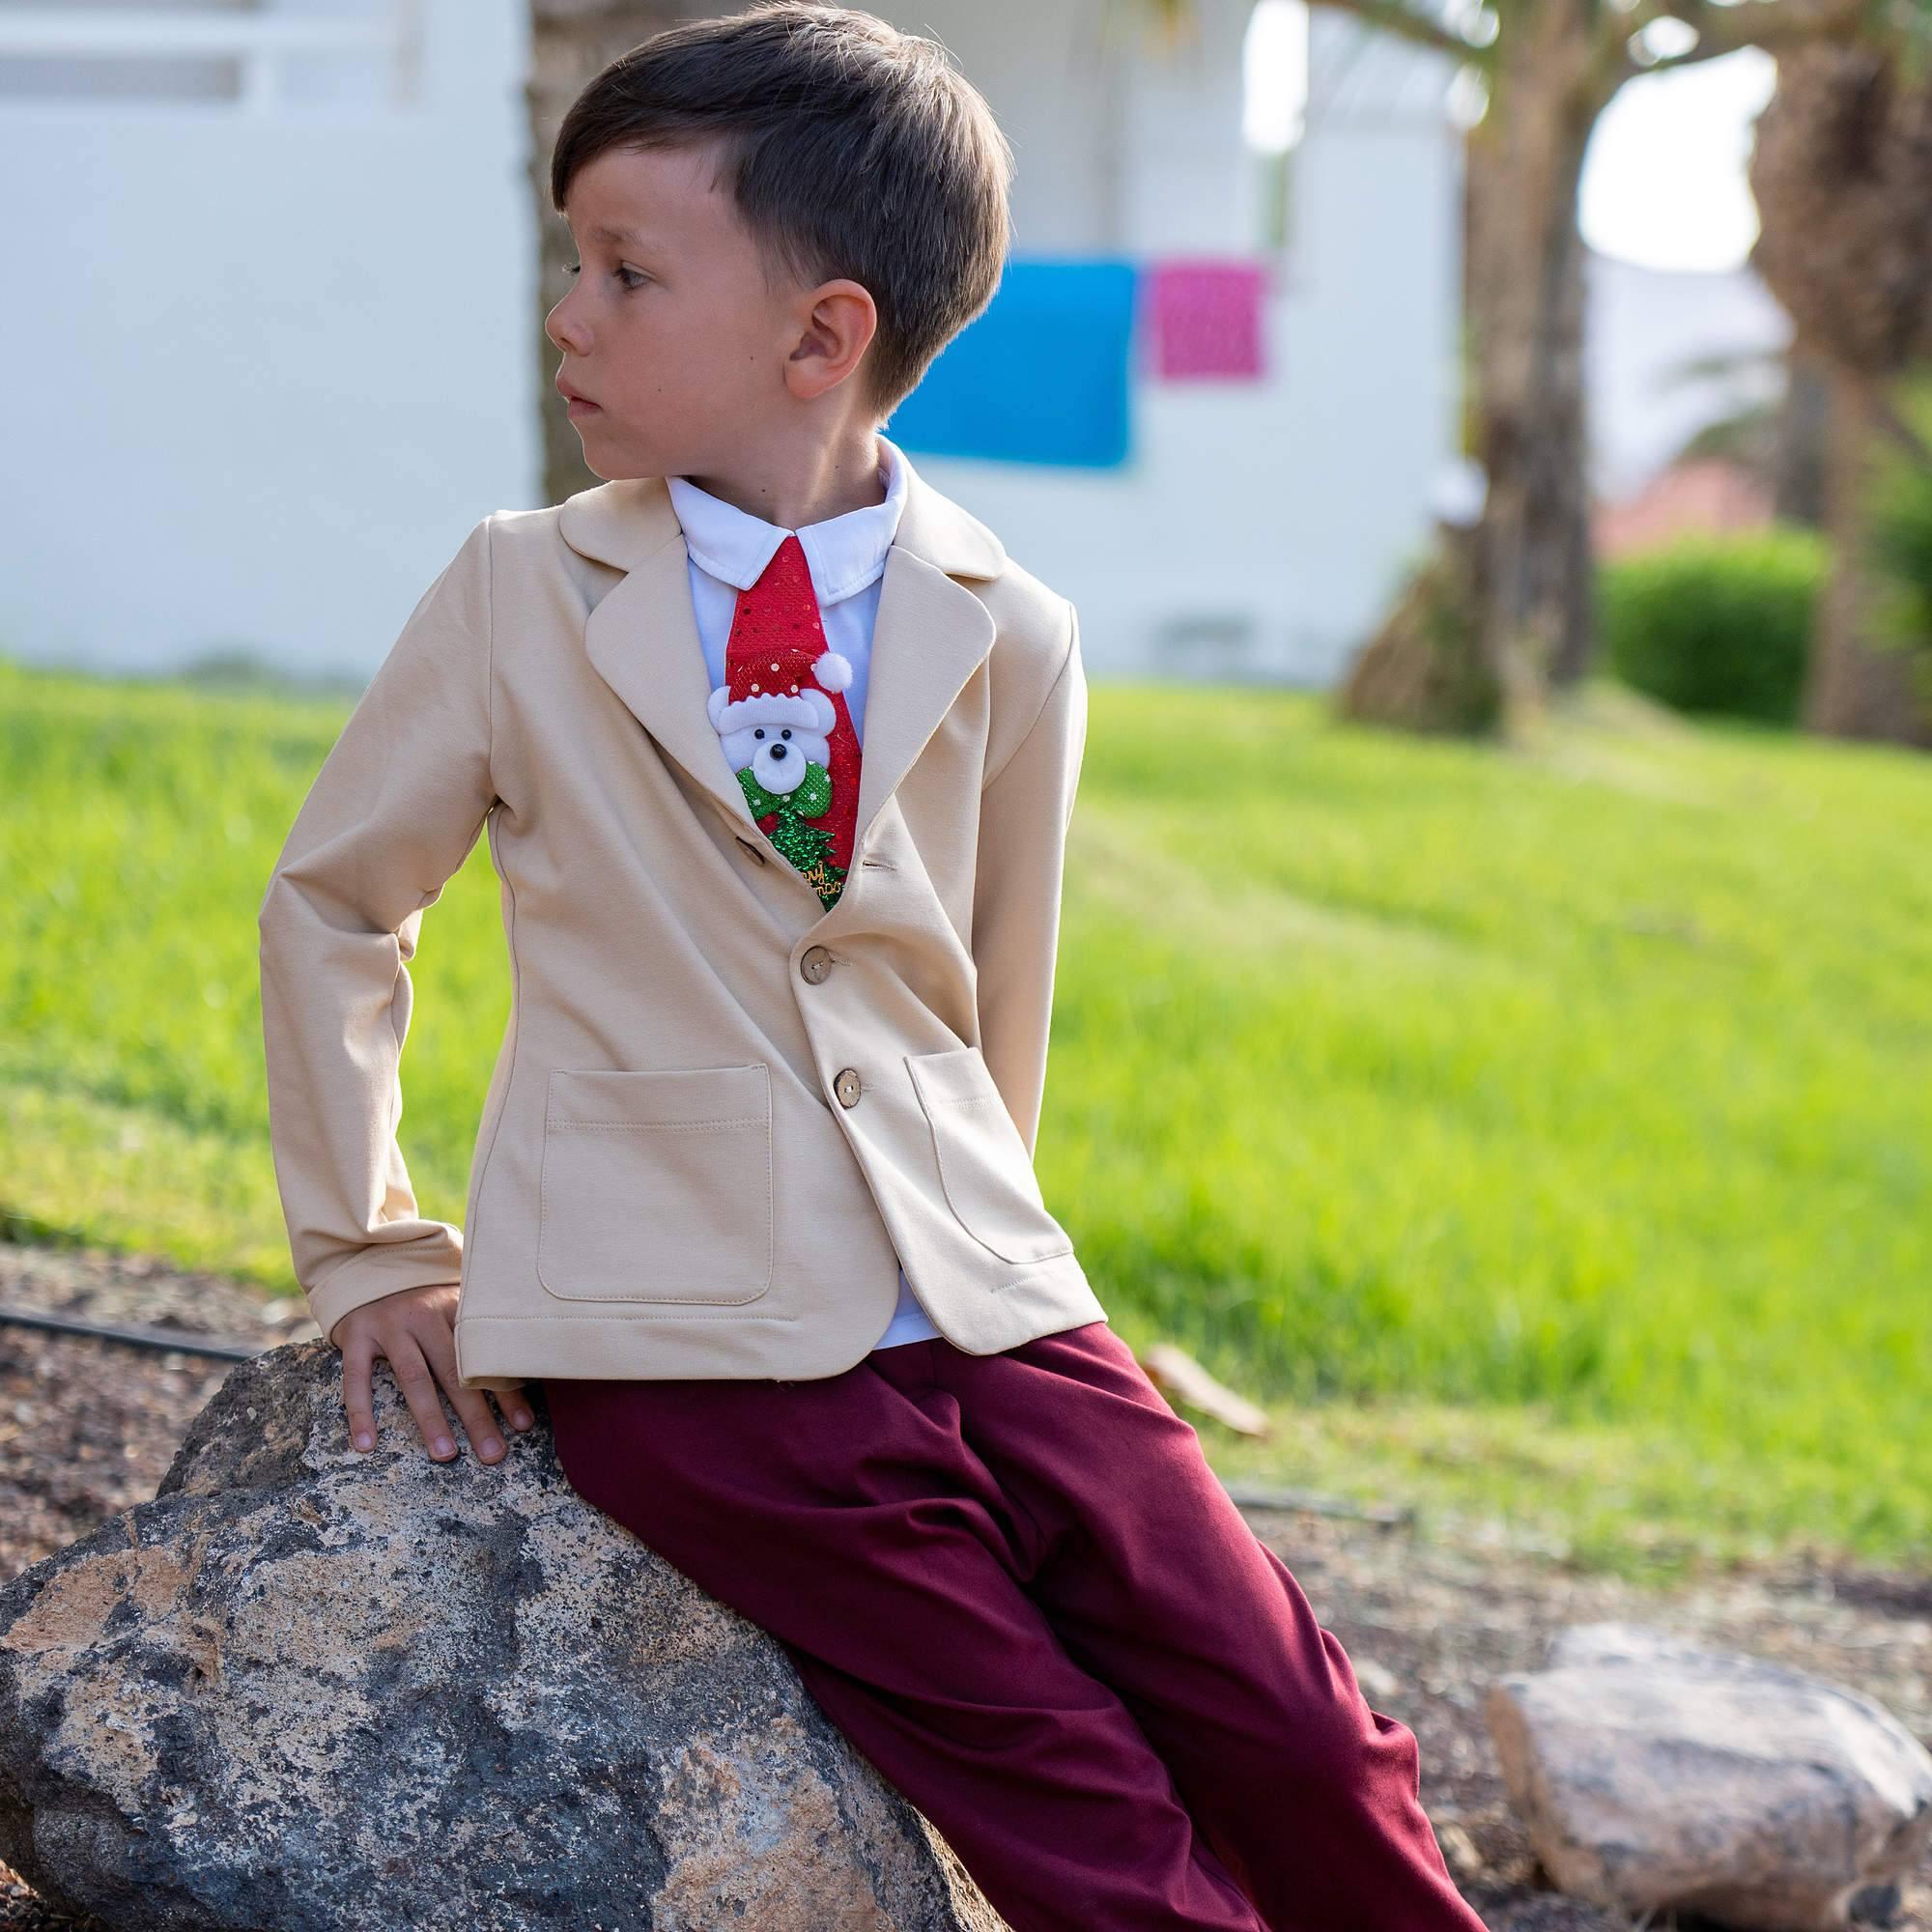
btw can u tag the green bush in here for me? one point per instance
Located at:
(1717, 623)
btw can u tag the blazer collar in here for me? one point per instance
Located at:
(930, 634)
(624, 520)
(842, 554)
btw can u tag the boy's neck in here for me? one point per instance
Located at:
(805, 485)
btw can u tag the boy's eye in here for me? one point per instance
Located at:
(633, 278)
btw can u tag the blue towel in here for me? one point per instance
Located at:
(1043, 375)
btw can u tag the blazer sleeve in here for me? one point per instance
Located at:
(392, 813)
(1025, 811)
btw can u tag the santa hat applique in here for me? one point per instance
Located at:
(781, 684)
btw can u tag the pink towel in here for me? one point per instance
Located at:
(1204, 316)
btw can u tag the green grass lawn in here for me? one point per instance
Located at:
(1545, 1138)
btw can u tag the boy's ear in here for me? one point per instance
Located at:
(839, 330)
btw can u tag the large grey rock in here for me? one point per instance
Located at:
(308, 1688)
(1655, 1774)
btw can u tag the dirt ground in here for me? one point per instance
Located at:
(88, 1428)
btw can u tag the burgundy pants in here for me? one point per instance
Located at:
(1015, 1586)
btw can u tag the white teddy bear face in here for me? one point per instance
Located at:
(777, 753)
(777, 736)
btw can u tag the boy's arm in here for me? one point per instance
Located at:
(1024, 813)
(391, 815)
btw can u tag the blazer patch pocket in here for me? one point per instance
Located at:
(656, 1184)
(984, 1165)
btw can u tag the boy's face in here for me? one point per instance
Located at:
(669, 326)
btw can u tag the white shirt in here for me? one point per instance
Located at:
(728, 551)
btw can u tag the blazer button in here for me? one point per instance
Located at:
(815, 963)
(847, 1086)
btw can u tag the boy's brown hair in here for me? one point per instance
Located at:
(851, 150)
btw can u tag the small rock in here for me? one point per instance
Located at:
(315, 1689)
(1460, 1853)
(1653, 1774)
(1378, 1680)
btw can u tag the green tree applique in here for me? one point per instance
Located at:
(804, 845)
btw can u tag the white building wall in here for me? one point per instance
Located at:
(270, 362)
(1647, 329)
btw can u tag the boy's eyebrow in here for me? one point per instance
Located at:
(616, 236)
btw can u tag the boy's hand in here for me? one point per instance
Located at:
(414, 1331)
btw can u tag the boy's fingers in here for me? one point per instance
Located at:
(419, 1387)
(358, 1403)
(516, 1406)
(471, 1406)
(422, 1355)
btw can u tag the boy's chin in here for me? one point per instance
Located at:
(611, 466)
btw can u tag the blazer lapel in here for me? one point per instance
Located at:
(642, 636)
(929, 636)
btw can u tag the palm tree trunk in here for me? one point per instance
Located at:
(1534, 571)
(1855, 688)
(1798, 453)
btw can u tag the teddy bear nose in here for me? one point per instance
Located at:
(777, 751)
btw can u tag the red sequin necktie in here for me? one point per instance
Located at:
(782, 717)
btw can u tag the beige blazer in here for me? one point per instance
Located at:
(722, 1113)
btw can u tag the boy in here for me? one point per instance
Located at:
(777, 749)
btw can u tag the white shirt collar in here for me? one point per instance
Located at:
(844, 553)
